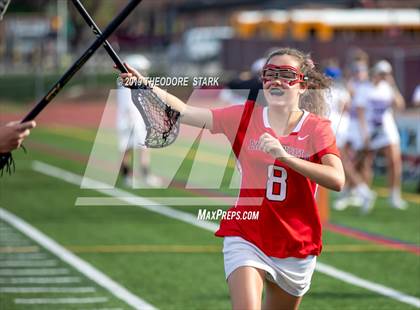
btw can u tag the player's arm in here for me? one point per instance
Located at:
(194, 116)
(399, 101)
(329, 173)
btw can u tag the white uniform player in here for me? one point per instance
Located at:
(338, 99)
(377, 101)
(378, 129)
(356, 192)
(130, 124)
(354, 134)
(132, 130)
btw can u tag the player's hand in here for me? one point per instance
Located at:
(272, 146)
(13, 134)
(132, 78)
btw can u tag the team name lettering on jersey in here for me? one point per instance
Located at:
(296, 152)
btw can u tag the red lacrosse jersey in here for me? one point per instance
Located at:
(288, 223)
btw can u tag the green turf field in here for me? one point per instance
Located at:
(169, 263)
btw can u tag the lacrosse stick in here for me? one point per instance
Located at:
(6, 159)
(162, 122)
(3, 7)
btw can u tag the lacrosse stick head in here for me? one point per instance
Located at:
(6, 163)
(162, 122)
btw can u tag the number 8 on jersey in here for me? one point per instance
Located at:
(276, 183)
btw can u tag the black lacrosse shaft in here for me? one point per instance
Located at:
(81, 61)
(91, 23)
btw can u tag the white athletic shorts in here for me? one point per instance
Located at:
(381, 136)
(354, 135)
(291, 274)
(385, 135)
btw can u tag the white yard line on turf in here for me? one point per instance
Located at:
(122, 195)
(191, 219)
(68, 300)
(33, 271)
(21, 256)
(29, 263)
(82, 266)
(378, 288)
(102, 309)
(47, 289)
(39, 280)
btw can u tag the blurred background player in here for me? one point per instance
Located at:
(378, 128)
(356, 192)
(131, 131)
(416, 104)
(338, 101)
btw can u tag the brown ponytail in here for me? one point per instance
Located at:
(317, 84)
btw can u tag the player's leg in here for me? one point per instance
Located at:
(125, 143)
(357, 192)
(345, 197)
(391, 142)
(246, 287)
(394, 169)
(148, 177)
(144, 155)
(366, 166)
(277, 298)
(393, 156)
(363, 189)
(352, 175)
(126, 169)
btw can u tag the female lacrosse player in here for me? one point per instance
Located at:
(377, 101)
(283, 151)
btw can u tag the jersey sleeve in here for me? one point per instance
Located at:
(226, 120)
(324, 143)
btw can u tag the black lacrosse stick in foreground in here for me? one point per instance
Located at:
(6, 159)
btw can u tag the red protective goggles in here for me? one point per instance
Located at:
(289, 74)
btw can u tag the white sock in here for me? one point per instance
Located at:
(396, 193)
(345, 192)
(363, 189)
